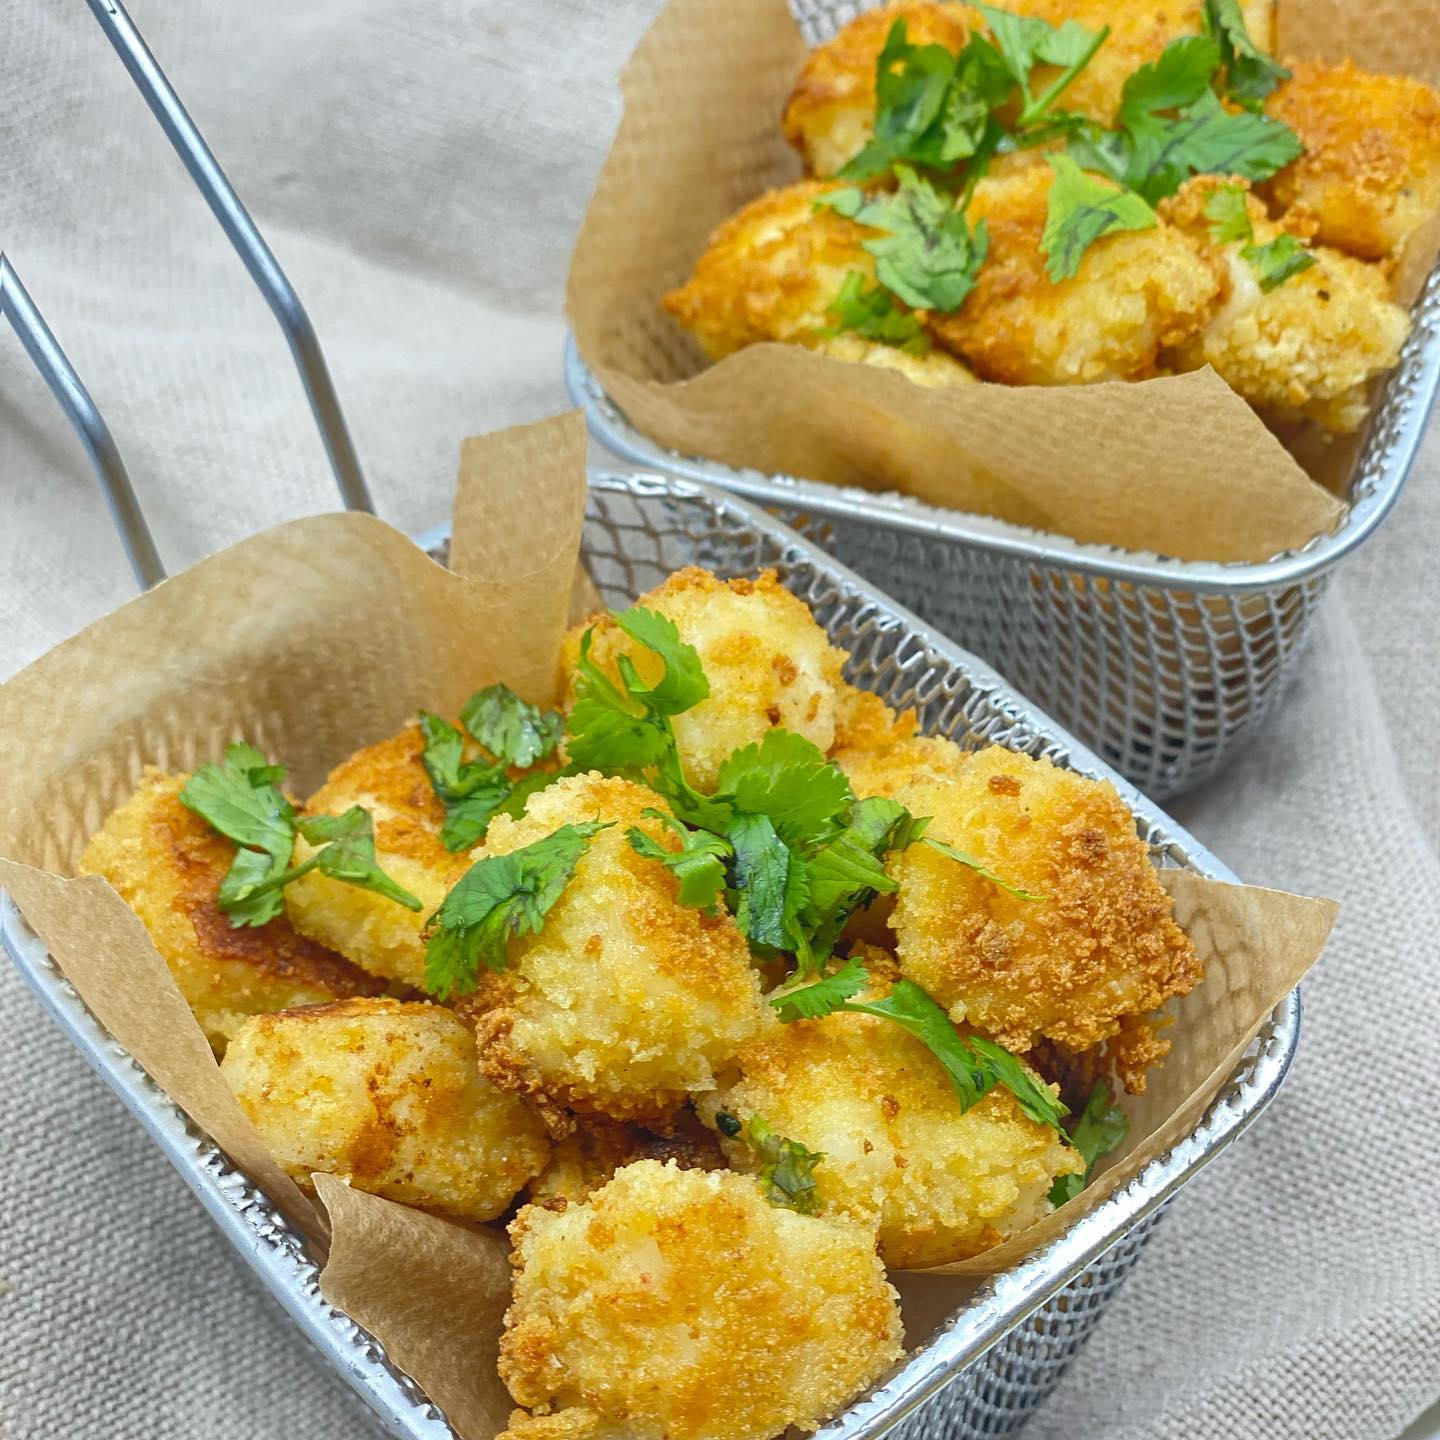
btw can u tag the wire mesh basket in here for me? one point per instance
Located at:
(1163, 667)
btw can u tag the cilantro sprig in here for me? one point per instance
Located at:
(240, 797)
(1101, 1126)
(512, 731)
(1079, 211)
(973, 1064)
(872, 313)
(699, 864)
(787, 1168)
(1026, 41)
(1250, 74)
(1273, 262)
(499, 897)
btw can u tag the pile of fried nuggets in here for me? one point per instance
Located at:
(1150, 302)
(657, 1291)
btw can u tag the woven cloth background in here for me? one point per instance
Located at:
(420, 169)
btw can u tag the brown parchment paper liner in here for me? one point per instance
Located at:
(327, 634)
(1178, 465)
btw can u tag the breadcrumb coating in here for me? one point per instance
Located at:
(167, 865)
(387, 1096)
(679, 1305)
(378, 934)
(626, 1001)
(767, 660)
(934, 369)
(1135, 294)
(1099, 946)
(881, 754)
(1370, 174)
(1310, 348)
(584, 1161)
(941, 1184)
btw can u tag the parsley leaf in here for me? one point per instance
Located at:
(1081, 209)
(787, 1170)
(788, 779)
(1275, 262)
(497, 897)
(470, 790)
(965, 858)
(699, 866)
(824, 997)
(1101, 1127)
(1250, 74)
(928, 255)
(769, 882)
(1229, 218)
(511, 729)
(872, 314)
(1025, 42)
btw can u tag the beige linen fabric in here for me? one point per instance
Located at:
(420, 170)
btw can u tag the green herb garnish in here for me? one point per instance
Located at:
(1101, 1127)
(1080, 210)
(1250, 74)
(699, 865)
(872, 313)
(787, 1168)
(1274, 263)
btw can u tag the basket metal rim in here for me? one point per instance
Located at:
(999, 1304)
(907, 515)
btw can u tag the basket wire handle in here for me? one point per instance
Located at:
(59, 374)
(235, 220)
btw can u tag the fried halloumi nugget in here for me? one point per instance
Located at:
(1309, 348)
(587, 1159)
(881, 754)
(830, 115)
(767, 661)
(1099, 945)
(626, 1001)
(1136, 293)
(376, 933)
(942, 1184)
(167, 865)
(387, 1096)
(772, 271)
(680, 1304)
(1370, 174)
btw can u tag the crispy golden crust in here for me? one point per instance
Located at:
(376, 933)
(626, 1001)
(1310, 348)
(830, 115)
(387, 1096)
(1136, 293)
(678, 1305)
(1370, 174)
(767, 660)
(167, 865)
(941, 1184)
(880, 752)
(584, 1161)
(934, 369)
(1101, 945)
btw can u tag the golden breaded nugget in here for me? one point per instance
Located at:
(830, 115)
(373, 931)
(880, 752)
(679, 1305)
(1370, 174)
(387, 1096)
(626, 1001)
(1310, 348)
(167, 864)
(941, 1183)
(1099, 946)
(767, 660)
(934, 369)
(581, 1163)
(1136, 293)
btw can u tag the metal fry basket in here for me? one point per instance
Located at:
(986, 1367)
(1163, 667)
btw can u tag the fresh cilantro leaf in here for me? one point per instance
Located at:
(1229, 218)
(927, 255)
(788, 779)
(965, 858)
(349, 854)
(498, 897)
(682, 682)
(1101, 1127)
(787, 1169)
(769, 882)
(824, 997)
(244, 894)
(1178, 77)
(1081, 209)
(912, 83)
(1025, 42)
(1033, 1097)
(1250, 74)
(511, 729)
(699, 866)
(872, 313)
(727, 1124)
(1275, 262)
(470, 790)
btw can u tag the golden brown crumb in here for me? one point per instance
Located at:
(167, 865)
(626, 1001)
(1370, 174)
(880, 752)
(387, 1096)
(680, 1304)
